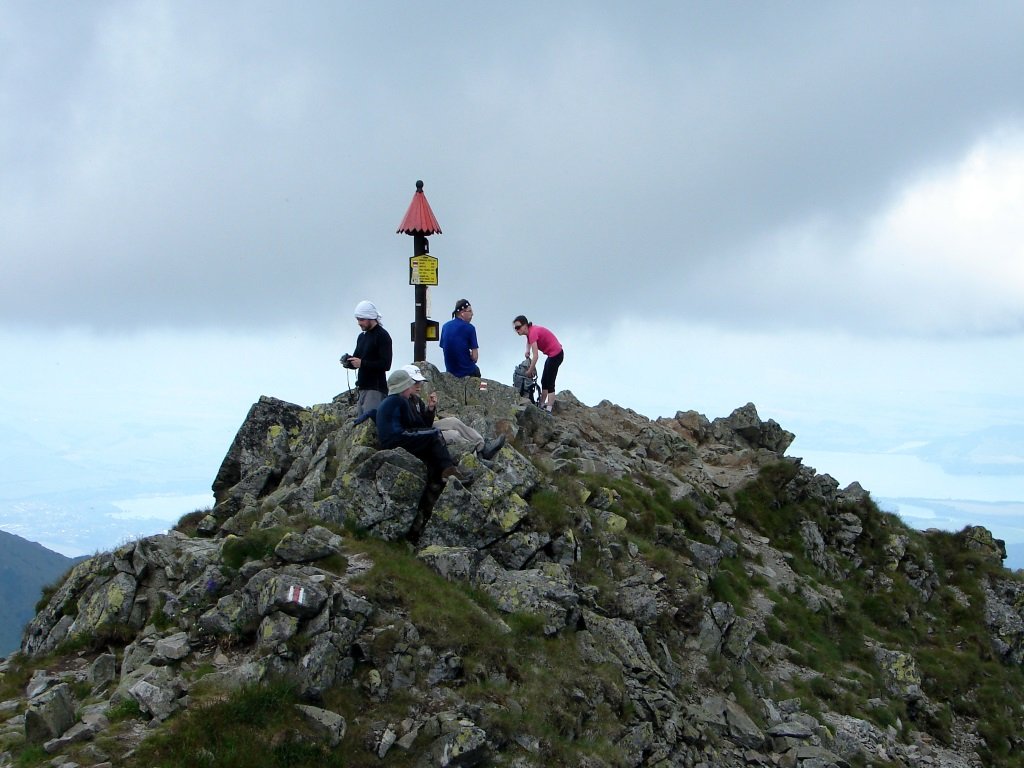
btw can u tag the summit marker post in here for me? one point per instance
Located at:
(419, 221)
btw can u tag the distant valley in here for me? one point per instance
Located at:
(25, 568)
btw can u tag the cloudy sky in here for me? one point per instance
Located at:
(814, 207)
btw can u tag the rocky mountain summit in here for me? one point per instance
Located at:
(606, 591)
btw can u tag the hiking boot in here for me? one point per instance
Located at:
(491, 448)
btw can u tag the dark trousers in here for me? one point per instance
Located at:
(547, 379)
(429, 448)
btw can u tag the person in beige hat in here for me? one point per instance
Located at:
(398, 427)
(453, 429)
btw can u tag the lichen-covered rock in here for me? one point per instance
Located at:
(107, 605)
(172, 648)
(1004, 616)
(234, 614)
(315, 543)
(979, 539)
(452, 563)
(618, 641)
(463, 745)
(745, 423)
(294, 594)
(900, 671)
(546, 591)
(261, 442)
(275, 629)
(49, 714)
(732, 721)
(156, 701)
(380, 495)
(327, 726)
(459, 517)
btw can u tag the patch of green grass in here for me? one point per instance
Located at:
(188, 524)
(49, 590)
(730, 584)
(824, 640)
(159, 618)
(257, 544)
(766, 506)
(256, 727)
(32, 755)
(539, 701)
(647, 502)
(591, 570)
(80, 689)
(446, 613)
(799, 688)
(19, 671)
(549, 511)
(127, 709)
(109, 635)
(200, 671)
(960, 566)
(980, 688)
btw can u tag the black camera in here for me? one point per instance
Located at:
(346, 361)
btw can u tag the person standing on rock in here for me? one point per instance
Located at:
(540, 339)
(398, 427)
(458, 341)
(372, 358)
(453, 429)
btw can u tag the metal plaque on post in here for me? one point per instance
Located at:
(423, 270)
(431, 331)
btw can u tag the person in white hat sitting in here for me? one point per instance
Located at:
(398, 427)
(453, 429)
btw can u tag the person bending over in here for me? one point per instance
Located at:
(540, 339)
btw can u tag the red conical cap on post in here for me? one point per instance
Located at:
(419, 219)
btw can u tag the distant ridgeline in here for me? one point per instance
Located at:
(606, 591)
(25, 568)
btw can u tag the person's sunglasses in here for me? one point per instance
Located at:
(516, 327)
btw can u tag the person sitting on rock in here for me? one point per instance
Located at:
(399, 427)
(459, 344)
(453, 429)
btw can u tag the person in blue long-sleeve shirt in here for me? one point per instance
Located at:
(397, 427)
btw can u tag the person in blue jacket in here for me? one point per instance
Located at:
(458, 341)
(398, 427)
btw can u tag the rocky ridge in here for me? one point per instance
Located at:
(675, 592)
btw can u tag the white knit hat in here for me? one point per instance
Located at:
(367, 310)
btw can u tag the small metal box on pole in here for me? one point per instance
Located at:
(419, 222)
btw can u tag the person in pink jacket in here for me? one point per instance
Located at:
(540, 339)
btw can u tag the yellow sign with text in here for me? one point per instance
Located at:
(423, 270)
